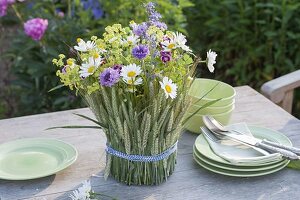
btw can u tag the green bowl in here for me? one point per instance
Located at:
(222, 91)
(211, 110)
(195, 122)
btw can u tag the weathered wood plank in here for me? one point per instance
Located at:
(281, 89)
(189, 181)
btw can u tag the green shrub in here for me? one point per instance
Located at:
(256, 41)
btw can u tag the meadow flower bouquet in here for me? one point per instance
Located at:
(135, 80)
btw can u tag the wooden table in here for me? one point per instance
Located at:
(189, 181)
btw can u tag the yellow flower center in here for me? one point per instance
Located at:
(78, 40)
(96, 55)
(171, 46)
(70, 62)
(91, 69)
(168, 89)
(131, 74)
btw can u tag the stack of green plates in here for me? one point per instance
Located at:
(207, 159)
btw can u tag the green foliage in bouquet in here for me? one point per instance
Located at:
(135, 80)
(30, 59)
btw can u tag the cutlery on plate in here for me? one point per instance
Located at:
(250, 141)
(217, 138)
(218, 127)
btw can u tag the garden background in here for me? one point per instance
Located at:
(256, 41)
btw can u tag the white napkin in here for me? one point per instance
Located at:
(237, 153)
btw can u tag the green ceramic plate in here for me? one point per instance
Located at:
(34, 158)
(239, 173)
(203, 147)
(236, 168)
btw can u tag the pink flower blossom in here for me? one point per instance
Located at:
(4, 5)
(35, 28)
(3, 8)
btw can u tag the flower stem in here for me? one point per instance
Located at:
(70, 9)
(18, 14)
(145, 76)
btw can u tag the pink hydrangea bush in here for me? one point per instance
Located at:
(35, 28)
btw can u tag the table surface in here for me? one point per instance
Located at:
(189, 180)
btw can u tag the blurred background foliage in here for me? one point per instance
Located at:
(256, 41)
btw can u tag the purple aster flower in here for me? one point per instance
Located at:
(165, 56)
(140, 29)
(109, 77)
(117, 67)
(140, 51)
(35, 28)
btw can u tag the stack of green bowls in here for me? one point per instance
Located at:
(200, 95)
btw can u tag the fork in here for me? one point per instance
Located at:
(215, 137)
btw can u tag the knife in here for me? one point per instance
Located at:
(281, 146)
(261, 144)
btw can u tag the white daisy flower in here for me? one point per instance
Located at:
(83, 192)
(77, 196)
(84, 46)
(88, 68)
(168, 44)
(129, 74)
(132, 39)
(211, 60)
(169, 87)
(180, 41)
(131, 71)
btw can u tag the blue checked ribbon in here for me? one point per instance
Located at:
(141, 158)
